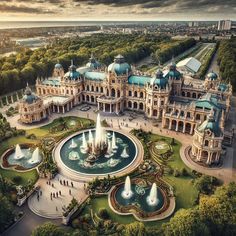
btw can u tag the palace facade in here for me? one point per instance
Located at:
(178, 101)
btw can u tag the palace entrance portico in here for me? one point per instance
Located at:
(110, 104)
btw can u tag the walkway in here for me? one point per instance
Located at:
(52, 207)
(27, 224)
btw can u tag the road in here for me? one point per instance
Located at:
(29, 222)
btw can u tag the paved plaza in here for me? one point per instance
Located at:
(55, 195)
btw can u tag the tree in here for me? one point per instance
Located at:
(205, 184)
(48, 229)
(135, 229)
(6, 213)
(218, 210)
(185, 223)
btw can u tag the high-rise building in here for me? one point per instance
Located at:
(224, 24)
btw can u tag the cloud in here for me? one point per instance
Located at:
(21, 8)
(182, 4)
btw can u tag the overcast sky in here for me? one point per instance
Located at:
(117, 9)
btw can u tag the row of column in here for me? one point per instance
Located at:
(10, 99)
(65, 108)
(177, 126)
(209, 157)
(103, 108)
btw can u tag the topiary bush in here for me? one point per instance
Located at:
(102, 213)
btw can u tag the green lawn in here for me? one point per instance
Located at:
(40, 133)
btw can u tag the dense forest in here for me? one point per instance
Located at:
(27, 65)
(166, 51)
(227, 61)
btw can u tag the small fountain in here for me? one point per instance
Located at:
(114, 146)
(152, 199)
(127, 192)
(73, 144)
(109, 150)
(74, 156)
(18, 153)
(35, 157)
(84, 147)
(124, 153)
(112, 162)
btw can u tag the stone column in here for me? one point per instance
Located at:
(58, 109)
(1, 103)
(12, 99)
(53, 108)
(184, 127)
(98, 106)
(191, 130)
(163, 123)
(199, 155)
(63, 109)
(17, 96)
(209, 158)
(170, 124)
(104, 107)
(177, 126)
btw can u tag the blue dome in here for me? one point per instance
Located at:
(93, 63)
(212, 125)
(119, 66)
(212, 76)
(173, 73)
(29, 97)
(159, 80)
(58, 66)
(72, 75)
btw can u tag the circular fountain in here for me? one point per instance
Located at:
(96, 152)
(140, 197)
(22, 157)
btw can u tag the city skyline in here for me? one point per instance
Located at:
(93, 10)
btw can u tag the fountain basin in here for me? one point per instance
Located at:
(139, 200)
(138, 205)
(26, 162)
(97, 165)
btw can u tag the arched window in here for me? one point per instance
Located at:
(118, 93)
(130, 93)
(87, 87)
(141, 94)
(101, 89)
(135, 94)
(87, 98)
(130, 104)
(141, 106)
(113, 92)
(206, 143)
(135, 105)
(92, 88)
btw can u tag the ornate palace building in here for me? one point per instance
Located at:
(179, 102)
